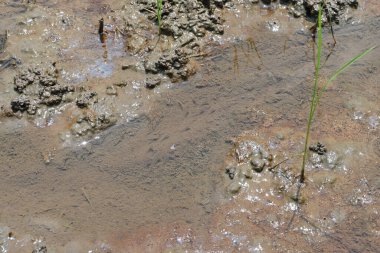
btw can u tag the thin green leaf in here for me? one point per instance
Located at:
(345, 66)
(340, 70)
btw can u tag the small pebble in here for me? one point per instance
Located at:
(258, 164)
(234, 187)
(151, 83)
(111, 90)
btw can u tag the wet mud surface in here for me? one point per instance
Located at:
(131, 143)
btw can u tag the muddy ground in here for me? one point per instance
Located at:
(126, 141)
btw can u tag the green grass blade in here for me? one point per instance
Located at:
(347, 64)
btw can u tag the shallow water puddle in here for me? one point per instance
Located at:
(155, 181)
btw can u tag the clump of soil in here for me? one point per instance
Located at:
(40, 90)
(94, 113)
(334, 10)
(188, 23)
(186, 16)
(38, 87)
(318, 148)
(251, 161)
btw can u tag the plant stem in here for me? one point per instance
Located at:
(315, 93)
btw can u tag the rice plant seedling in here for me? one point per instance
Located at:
(159, 14)
(318, 92)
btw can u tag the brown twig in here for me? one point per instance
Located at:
(86, 196)
(274, 166)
